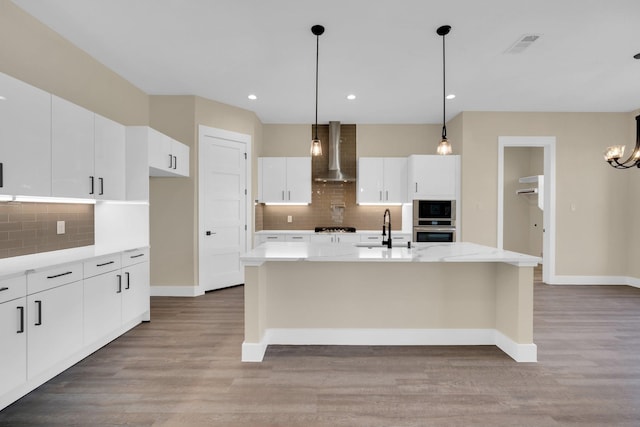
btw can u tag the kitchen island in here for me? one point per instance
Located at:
(346, 294)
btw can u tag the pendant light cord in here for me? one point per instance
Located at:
(317, 59)
(444, 93)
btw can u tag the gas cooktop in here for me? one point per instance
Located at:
(333, 229)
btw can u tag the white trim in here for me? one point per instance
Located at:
(254, 352)
(206, 131)
(549, 214)
(175, 291)
(518, 352)
(596, 280)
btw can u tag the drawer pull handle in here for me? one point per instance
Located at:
(372, 238)
(101, 186)
(39, 306)
(59, 275)
(21, 330)
(4, 289)
(92, 184)
(136, 256)
(119, 284)
(127, 273)
(104, 263)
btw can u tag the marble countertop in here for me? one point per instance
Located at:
(21, 264)
(419, 252)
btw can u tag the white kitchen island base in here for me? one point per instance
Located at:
(429, 295)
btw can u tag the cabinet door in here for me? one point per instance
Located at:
(273, 179)
(102, 305)
(433, 177)
(54, 326)
(72, 150)
(13, 336)
(25, 139)
(346, 238)
(180, 154)
(135, 291)
(321, 238)
(160, 157)
(395, 180)
(109, 140)
(298, 180)
(370, 180)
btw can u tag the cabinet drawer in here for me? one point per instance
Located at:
(42, 280)
(401, 237)
(101, 265)
(272, 238)
(13, 288)
(371, 238)
(135, 256)
(296, 238)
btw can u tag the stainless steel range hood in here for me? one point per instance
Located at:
(334, 174)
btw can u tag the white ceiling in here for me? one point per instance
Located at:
(386, 52)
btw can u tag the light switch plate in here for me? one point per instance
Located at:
(60, 227)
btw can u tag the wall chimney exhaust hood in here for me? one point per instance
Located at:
(335, 173)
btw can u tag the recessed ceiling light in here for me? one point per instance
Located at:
(351, 97)
(451, 96)
(2, 98)
(252, 97)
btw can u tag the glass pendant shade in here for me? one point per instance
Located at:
(614, 152)
(316, 147)
(444, 148)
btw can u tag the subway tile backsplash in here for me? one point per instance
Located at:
(332, 204)
(28, 228)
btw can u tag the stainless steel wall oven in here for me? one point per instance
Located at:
(434, 221)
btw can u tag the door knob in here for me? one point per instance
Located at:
(209, 233)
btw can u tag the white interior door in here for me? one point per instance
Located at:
(223, 210)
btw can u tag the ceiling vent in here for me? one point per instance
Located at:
(522, 43)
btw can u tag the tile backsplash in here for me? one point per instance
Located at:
(29, 228)
(332, 204)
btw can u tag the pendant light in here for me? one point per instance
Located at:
(444, 147)
(316, 145)
(615, 152)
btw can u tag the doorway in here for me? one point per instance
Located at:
(547, 198)
(223, 207)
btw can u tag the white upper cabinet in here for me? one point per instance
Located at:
(25, 139)
(109, 145)
(167, 157)
(382, 180)
(434, 177)
(285, 180)
(88, 153)
(72, 150)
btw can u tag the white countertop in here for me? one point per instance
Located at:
(419, 252)
(20, 264)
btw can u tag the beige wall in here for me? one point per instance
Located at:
(522, 217)
(590, 214)
(174, 201)
(632, 202)
(397, 140)
(283, 140)
(35, 54)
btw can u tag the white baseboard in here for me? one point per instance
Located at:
(595, 280)
(175, 291)
(254, 352)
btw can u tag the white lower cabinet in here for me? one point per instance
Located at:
(102, 305)
(53, 317)
(54, 331)
(334, 238)
(13, 336)
(135, 290)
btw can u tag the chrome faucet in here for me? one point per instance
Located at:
(386, 221)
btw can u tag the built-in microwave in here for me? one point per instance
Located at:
(434, 221)
(427, 210)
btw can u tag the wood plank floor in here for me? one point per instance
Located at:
(184, 369)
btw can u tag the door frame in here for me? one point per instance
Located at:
(206, 131)
(549, 212)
